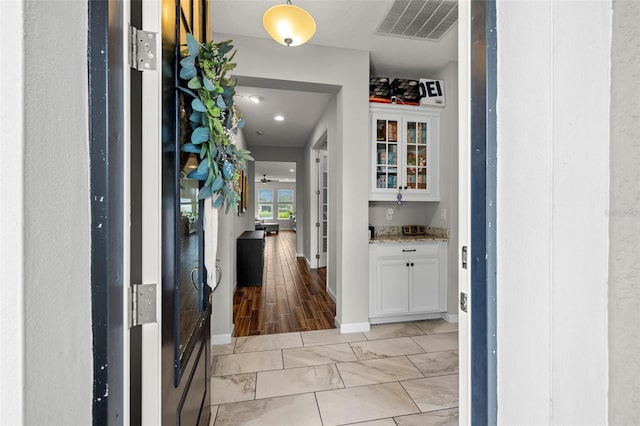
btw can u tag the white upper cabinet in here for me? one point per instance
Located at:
(404, 153)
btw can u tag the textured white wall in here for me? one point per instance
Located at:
(553, 168)
(446, 215)
(348, 69)
(57, 255)
(624, 230)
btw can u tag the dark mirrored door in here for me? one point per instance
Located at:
(185, 310)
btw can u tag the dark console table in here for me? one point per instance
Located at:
(250, 258)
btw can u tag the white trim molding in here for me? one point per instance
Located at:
(353, 327)
(12, 312)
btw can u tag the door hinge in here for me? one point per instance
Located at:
(143, 304)
(464, 304)
(317, 224)
(464, 257)
(317, 256)
(317, 192)
(142, 49)
(317, 160)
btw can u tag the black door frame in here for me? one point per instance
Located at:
(483, 88)
(106, 156)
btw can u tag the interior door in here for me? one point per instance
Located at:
(185, 307)
(323, 207)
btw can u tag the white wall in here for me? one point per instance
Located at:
(51, 240)
(410, 212)
(230, 227)
(553, 168)
(624, 230)
(446, 214)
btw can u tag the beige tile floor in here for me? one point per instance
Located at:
(403, 374)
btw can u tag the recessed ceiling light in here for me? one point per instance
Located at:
(260, 132)
(279, 117)
(256, 99)
(292, 170)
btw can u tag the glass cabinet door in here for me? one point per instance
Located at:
(415, 167)
(386, 154)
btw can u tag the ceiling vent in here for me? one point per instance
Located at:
(423, 19)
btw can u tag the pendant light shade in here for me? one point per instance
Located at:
(289, 25)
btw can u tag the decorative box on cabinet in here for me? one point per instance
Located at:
(408, 281)
(250, 258)
(404, 148)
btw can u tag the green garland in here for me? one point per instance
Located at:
(214, 120)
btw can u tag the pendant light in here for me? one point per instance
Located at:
(289, 25)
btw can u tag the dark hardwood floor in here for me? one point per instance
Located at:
(292, 297)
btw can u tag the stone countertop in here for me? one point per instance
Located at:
(393, 234)
(389, 239)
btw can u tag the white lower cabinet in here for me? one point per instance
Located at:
(408, 281)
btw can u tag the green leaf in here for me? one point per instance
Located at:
(218, 202)
(218, 126)
(193, 174)
(189, 147)
(217, 183)
(205, 192)
(201, 172)
(187, 91)
(188, 72)
(203, 150)
(227, 170)
(225, 47)
(195, 83)
(188, 61)
(197, 105)
(199, 135)
(208, 84)
(195, 117)
(193, 45)
(220, 103)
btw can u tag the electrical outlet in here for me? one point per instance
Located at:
(389, 214)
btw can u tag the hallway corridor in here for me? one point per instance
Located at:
(292, 297)
(403, 374)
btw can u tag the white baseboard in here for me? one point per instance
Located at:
(222, 339)
(331, 294)
(450, 317)
(300, 255)
(404, 318)
(354, 327)
(308, 262)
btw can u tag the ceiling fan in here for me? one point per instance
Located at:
(265, 180)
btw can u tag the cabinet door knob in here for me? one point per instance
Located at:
(407, 264)
(411, 263)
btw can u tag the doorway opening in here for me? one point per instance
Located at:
(293, 294)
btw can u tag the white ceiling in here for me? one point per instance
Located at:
(340, 23)
(301, 111)
(276, 171)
